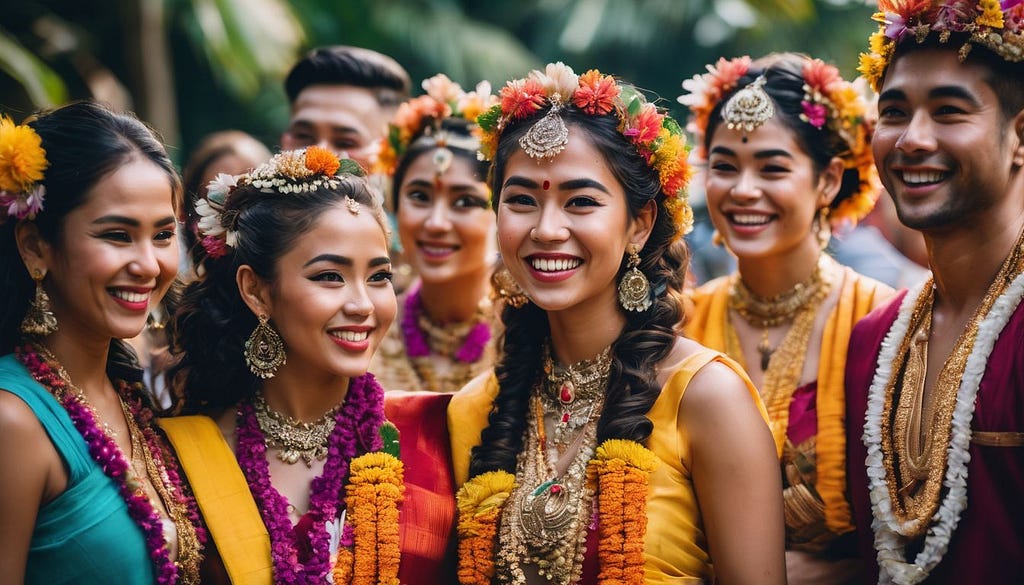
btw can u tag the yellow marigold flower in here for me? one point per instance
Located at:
(485, 492)
(991, 14)
(872, 67)
(633, 453)
(22, 158)
(878, 42)
(321, 160)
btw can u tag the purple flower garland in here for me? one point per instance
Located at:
(416, 343)
(355, 432)
(105, 452)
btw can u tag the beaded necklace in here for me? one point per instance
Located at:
(103, 449)
(355, 431)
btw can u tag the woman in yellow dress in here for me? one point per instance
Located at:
(594, 451)
(442, 336)
(788, 159)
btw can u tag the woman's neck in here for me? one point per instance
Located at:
(304, 394)
(84, 359)
(583, 331)
(773, 275)
(455, 300)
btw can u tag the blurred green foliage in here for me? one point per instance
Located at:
(190, 67)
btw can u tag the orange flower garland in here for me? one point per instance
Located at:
(374, 493)
(619, 472)
(480, 501)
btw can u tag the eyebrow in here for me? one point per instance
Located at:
(943, 91)
(334, 128)
(759, 154)
(457, 187)
(346, 261)
(120, 219)
(571, 185)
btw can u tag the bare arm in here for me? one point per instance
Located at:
(26, 464)
(736, 477)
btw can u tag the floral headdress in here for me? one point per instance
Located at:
(289, 172)
(997, 26)
(830, 102)
(656, 136)
(22, 162)
(424, 114)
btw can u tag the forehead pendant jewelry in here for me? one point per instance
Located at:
(548, 136)
(442, 161)
(748, 108)
(352, 205)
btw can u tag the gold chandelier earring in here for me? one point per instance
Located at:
(39, 320)
(264, 350)
(505, 288)
(824, 228)
(634, 288)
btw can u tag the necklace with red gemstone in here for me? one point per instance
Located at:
(572, 392)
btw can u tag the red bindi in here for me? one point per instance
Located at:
(546, 185)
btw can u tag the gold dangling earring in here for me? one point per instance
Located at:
(634, 288)
(39, 320)
(824, 231)
(264, 350)
(717, 238)
(506, 289)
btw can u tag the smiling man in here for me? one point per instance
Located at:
(935, 398)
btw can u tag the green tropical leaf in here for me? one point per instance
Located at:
(43, 86)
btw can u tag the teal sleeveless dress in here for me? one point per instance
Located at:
(85, 535)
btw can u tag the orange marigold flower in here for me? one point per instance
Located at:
(321, 160)
(596, 94)
(22, 158)
(521, 97)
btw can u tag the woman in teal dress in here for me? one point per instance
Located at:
(88, 491)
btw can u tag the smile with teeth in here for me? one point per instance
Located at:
(921, 177)
(131, 297)
(750, 218)
(437, 250)
(554, 264)
(346, 335)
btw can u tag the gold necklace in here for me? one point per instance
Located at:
(767, 312)
(914, 498)
(573, 391)
(294, 438)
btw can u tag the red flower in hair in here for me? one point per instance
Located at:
(596, 94)
(521, 97)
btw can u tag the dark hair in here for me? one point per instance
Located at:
(211, 149)
(648, 336)
(1005, 78)
(344, 65)
(426, 141)
(212, 321)
(84, 142)
(784, 83)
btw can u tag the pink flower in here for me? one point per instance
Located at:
(814, 114)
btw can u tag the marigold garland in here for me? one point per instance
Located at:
(997, 26)
(22, 162)
(829, 103)
(480, 501)
(656, 136)
(374, 493)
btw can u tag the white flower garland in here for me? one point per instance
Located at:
(889, 541)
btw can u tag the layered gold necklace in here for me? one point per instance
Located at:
(294, 439)
(546, 523)
(915, 466)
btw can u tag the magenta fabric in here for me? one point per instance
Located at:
(988, 545)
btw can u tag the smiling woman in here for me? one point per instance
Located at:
(87, 247)
(275, 340)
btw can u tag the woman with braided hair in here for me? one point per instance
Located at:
(603, 446)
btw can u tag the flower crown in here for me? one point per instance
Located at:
(289, 172)
(22, 162)
(997, 26)
(829, 102)
(444, 99)
(656, 136)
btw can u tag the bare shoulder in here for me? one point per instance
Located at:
(716, 378)
(17, 419)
